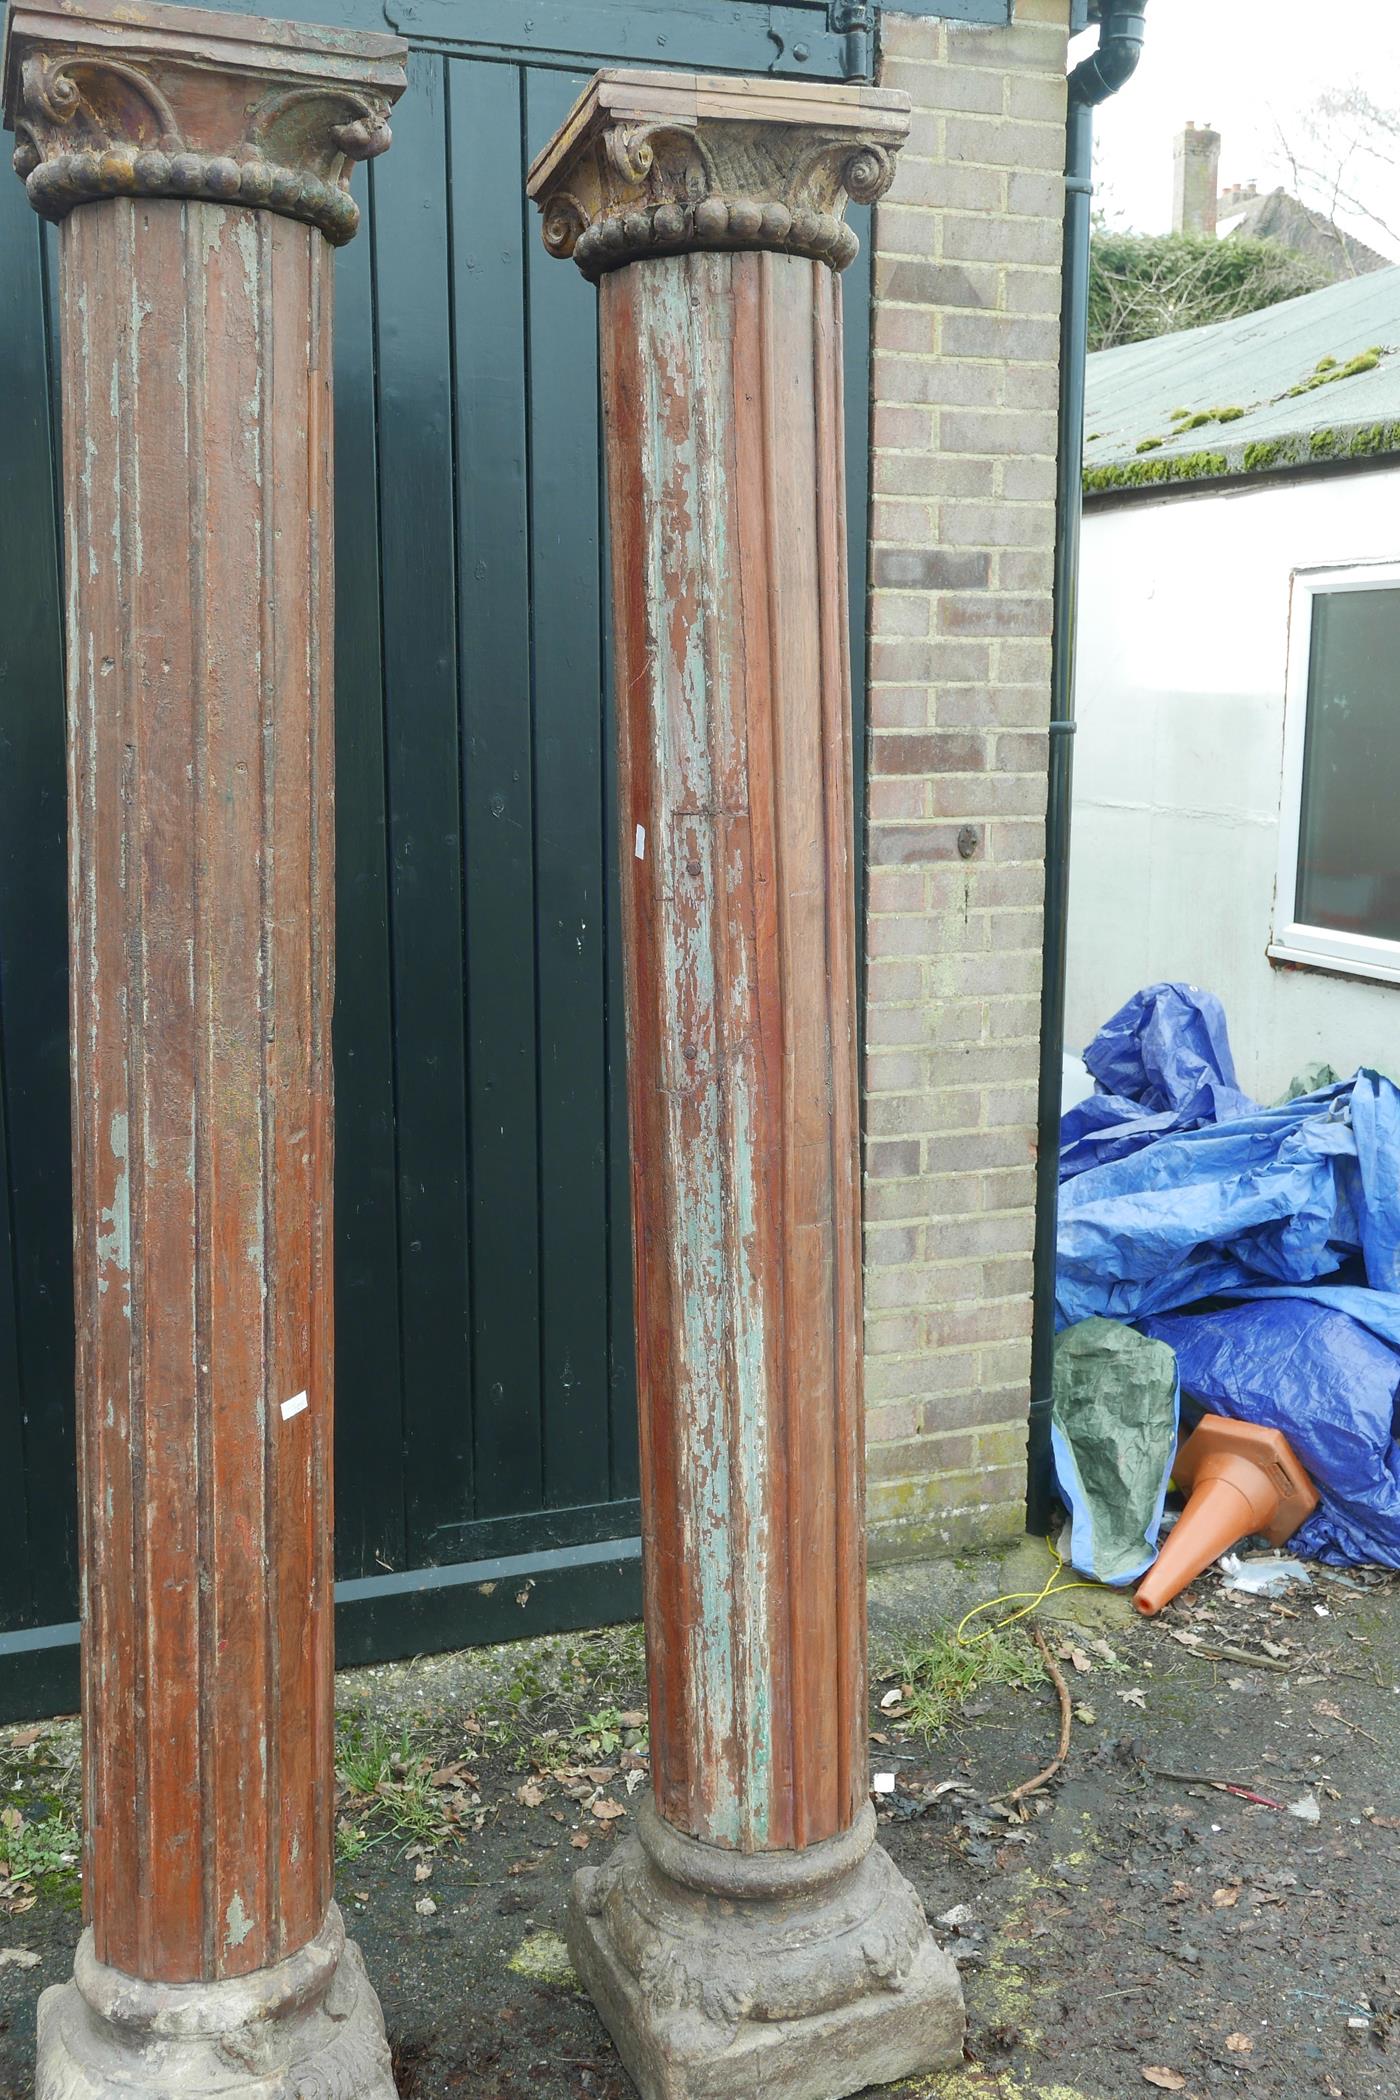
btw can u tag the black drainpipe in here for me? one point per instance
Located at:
(1121, 29)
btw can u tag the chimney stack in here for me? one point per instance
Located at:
(1197, 172)
(1236, 198)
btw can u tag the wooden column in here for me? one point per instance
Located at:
(197, 164)
(753, 1935)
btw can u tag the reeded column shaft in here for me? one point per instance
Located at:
(197, 435)
(722, 377)
(197, 164)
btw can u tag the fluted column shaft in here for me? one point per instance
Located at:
(722, 378)
(710, 213)
(197, 435)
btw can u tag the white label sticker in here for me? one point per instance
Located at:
(640, 849)
(297, 1405)
(882, 1783)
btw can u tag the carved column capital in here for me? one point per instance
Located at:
(664, 163)
(117, 98)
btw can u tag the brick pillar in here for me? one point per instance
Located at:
(752, 1935)
(968, 247)
(197, 165)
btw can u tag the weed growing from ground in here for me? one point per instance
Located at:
(940, 1675)
(392, 1789)
(40, 1829)
(36, 1847)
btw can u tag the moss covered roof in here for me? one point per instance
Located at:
(1312, 379)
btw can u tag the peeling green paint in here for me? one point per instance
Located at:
(114, 1242)
(721, 1347)
(238, 1922)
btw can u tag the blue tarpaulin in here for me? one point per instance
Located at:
(1178, 1190)
(1304, 1365)
(1163, 1063)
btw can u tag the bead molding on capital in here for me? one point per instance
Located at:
(639, 190)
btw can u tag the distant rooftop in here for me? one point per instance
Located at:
(1278, 216)
(1312, 379)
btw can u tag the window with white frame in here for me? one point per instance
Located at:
(1338, 900)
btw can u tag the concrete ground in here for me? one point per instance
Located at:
(1141, 1930)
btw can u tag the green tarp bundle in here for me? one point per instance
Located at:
(1113, 1428)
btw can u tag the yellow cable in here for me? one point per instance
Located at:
(1036, 1598)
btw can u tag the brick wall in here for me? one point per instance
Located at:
(967, 279)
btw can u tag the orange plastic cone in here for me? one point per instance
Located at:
(1240, 1479)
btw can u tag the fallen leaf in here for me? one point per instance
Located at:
(1158, 2074)
(423, 1871)
(634, 1779)
(425, 1907)
(894, 1697)
(1386, 1822)
(1328, 1708)
(1135, 1697)
(1085, 1714)
(21, 1740)
(1225, 1899)
(1239, 2044)
(600, 1774)
(608, 1811)
(1305, 1808)
(529, 1795)
(452, 1775)
(633, 1719)
(18, 1957)
(580, 1840)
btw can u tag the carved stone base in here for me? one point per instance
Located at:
(309, 2029)
(798, 1975)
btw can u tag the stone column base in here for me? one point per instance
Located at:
(798, 1975)
(308, 2029)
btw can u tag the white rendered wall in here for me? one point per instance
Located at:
(1183, 634)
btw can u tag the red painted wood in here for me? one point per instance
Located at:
(197, 463)
(722, 398)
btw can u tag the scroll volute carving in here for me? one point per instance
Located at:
(178, 123)
(717, 165)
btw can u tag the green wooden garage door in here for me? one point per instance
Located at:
(486, 1434)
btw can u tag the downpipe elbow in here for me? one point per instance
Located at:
(1121, 31)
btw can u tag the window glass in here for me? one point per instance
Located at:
(1349, 827)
